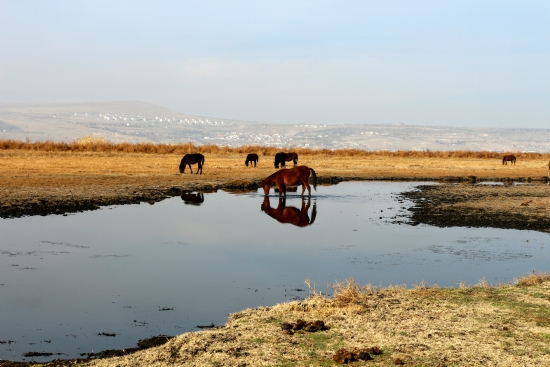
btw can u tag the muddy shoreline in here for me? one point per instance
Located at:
(152, 342)
(65, 200)
(521, 207)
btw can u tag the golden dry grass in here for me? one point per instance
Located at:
(230, 165)
(533, 279)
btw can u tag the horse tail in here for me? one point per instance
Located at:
(313, 213)
(314, 178)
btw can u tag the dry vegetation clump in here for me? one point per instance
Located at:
(347, 293)
(100, 144)
(535, 278)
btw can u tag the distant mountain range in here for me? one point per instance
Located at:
(135, 121)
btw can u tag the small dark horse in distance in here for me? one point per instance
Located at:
(252, 158)
(189, 159)
(282, 157)
(290, 177)
(289, 214)
(509, 158)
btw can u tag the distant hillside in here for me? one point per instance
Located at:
(135, 121)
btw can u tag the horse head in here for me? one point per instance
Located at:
(266, 186)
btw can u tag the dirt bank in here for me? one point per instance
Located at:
(525, 207)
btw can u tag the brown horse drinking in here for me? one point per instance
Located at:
(291, 177)
(282, 157)
(509, 158)
(289, 214)
(189, 159)
(252, 158)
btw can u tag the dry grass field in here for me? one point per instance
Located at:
(43, 166)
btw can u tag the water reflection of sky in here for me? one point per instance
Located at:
(67, 279)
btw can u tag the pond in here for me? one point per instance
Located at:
(105, 279)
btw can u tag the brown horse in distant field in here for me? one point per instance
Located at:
(548, 168)
(509, 158)
(252, 158)
(282, 157)
(193, 199)
(189, 159)
(291, 177)
(289, 214)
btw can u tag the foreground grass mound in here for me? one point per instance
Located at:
(428, 326)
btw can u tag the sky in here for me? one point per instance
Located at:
(445, 63)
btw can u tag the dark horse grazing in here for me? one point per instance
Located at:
(289, 214)
(193, 199)
(189, 159)
(291, 177)
(252, 158)
(282, 157)
(509, 158)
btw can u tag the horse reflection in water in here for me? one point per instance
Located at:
(193, 198)
(289, 214)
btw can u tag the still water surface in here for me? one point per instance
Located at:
(143, 270)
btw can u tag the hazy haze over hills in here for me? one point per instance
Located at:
(135, 121)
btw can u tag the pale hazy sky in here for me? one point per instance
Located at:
(453, 63)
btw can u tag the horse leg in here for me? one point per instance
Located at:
(190, 169)
(305, 185)
(199, 168)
